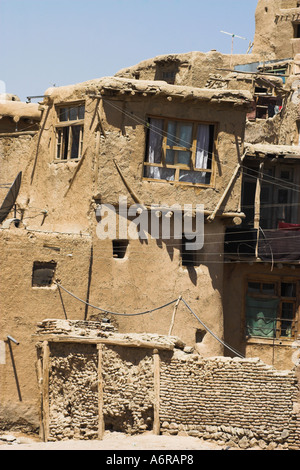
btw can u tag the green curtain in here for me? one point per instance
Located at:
(261, 315)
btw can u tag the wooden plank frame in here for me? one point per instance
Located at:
(43, 377)
(177, 166)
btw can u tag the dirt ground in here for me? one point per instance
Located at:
(112, 441)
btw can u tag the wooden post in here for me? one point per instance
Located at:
(156, 365)
(257, 204)
(173, 316)
(228, 187)
(39, 370)
(45, 391)
(101, 425)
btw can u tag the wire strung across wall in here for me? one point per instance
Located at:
(153, 310)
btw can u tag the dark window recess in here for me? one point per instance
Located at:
(188, 257)
(200, 335)
(296, 30)
(120, 248)
(43, 273)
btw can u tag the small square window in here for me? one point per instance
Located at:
(43, 273)
(119, 248)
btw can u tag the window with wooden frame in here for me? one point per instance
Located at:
(69, 132)
(272, 306)
(180, 151)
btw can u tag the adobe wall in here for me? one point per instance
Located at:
(274, 30)
(23, 305)
(190, 69)
(68, 190)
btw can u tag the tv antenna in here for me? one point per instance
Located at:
(232, 41)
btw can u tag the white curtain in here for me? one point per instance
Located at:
(202, 158)
(155, 146)
(202, 155)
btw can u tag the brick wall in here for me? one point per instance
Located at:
(235, 402)
(73, 396)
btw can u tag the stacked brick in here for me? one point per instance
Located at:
(242, 403)
(128, 389)
(73, 392)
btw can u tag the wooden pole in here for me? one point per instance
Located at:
(173, 316)
(257, 205)
(228, 187)
(39, 370)
(156, 364)
(101, 425)
(45, 391)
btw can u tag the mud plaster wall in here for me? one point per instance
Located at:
(274, 36)
(71, 206)
(15, 154)
(243, 402)
(23, 305)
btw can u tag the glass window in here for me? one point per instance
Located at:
(184, 151)
(69, 138)
(271, 309)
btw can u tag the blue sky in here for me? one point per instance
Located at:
(61, 42)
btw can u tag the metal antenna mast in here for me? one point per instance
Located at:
(232, 40)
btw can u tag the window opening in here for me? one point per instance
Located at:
(296, 30)
(69, 132)
(179, 152)
(271, 309)
(188, 257)
(278, 202)
(120, 248)
(43, 273)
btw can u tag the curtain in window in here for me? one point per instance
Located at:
(261, 315)
(202, 158)
(155, 146)
(202, 154)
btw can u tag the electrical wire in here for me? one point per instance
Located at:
(115, 313)
(153, 310)
(211, 332)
